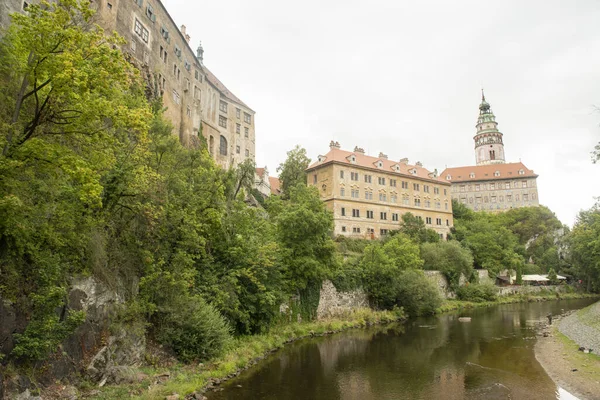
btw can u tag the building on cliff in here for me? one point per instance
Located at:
(492, 184)
(368, 195)
(195, 99)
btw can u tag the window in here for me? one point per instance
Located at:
(342, 192)
(354, 193)
(446, 206)
(370, 214)
(404, 185)
(223, 106)
(501, 199)
(507, 185)
(493, 199)
(237, 113)
(188, 111)
(383, 215)
(462, 188)
(356, 213)
(354, 176)
(436, 190)
(525, 197)
(355, 230)
(222, 121)
(394, 217)
(405, 201)
(367, 178)
(177, 51)
(133, 45)
(314, 178)
(516, 184)
(187, 65)
(426, 188)
(368, 195)
(247, 118)
(343, 229)
(150, 13)
(141, 30)
(238, 128)
(516, 197)
(477, 188)
(416, 186)
(524, 184)
(176, 97)
(438, 205)
(393, 198)
(428, 203)
(381, 180)
(165, 34)
(138, 2)
(428, 220)
(237, 149)
(197, 75)
(223, 146)
(382, 197)
(246, 131)
(418, 202)
(392, 182)
(383, 232)
(343, 212)
(438, 221)
(445, 192)
(176, 71)
(509, 198)
(247, 153)
(341, 174)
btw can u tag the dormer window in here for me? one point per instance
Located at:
(472, 175)
(521, 172)
(322, 158)
(352, 158)
(497, 173)
(448, 177)
(413, 171)
(379, 164)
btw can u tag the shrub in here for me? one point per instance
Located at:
(193, 329)
(417, 294)
(477, 293)
(450, 258)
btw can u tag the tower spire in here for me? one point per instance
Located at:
(482, 95)
(489, 146)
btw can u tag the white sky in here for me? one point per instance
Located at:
(404, 78)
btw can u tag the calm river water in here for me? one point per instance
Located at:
(489, 358)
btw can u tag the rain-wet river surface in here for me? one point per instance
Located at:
(438, 357)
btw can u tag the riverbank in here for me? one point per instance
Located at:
(190, 381)
(456, 305)
(571, 369)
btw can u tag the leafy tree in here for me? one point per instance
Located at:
(585, 248)
(552, 277)
(448, 257)
(415, 228)
(292, 170)
(417, 294)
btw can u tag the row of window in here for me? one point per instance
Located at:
(355, 194)
(493, 186)
(223, 106)
(369, 231)
(496, 173)
(354, 176)
(223, 147)
(500, 199)
(383, 215)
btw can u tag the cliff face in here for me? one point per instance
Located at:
(97, 349)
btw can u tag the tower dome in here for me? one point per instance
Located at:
(489, 147)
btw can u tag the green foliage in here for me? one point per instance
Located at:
(292, 170)
(477, 293)
(382, 264)
(552, 277)
(346, 245)
(416, 294)
(193, 329)
(450, 258)
(584, 241)
(415, 228)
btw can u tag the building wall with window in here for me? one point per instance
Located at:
(191, 93)
(494, 188)
(368, 195)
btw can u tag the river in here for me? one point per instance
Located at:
(438, 357)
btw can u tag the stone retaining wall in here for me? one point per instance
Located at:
(511, 290)
(333, 303)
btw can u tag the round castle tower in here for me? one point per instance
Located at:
(489, 148)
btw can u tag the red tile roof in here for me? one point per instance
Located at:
(487, 172)
(275, 185)
(260, 172)
(362, 160)
(222, 88)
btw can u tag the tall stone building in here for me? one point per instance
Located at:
(492, 184)
(368, 195)
(196, 100)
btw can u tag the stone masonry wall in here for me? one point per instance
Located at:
(332, 302)
(441, 283)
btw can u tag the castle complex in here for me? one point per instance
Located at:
(195, 99)
(368, 195)
(492, 184)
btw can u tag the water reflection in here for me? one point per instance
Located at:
(490, 357)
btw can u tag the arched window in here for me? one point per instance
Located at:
(211, 145)
(492, 154)
(223, 146)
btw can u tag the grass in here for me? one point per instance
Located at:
(242, 353)
(454, 305)
(589, 318)
(587, 363)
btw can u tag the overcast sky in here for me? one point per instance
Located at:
(405, 77)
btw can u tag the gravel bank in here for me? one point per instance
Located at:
(583, 327)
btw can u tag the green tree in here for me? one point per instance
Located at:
(450, 258)
(585, 248)
(417, 294)
(415, 228)
(552, 277)
(292, 171)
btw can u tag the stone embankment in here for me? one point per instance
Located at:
(583, 327)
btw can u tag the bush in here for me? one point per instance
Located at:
(193, 329)
(477, 293)
(417, 294)
(450, 258)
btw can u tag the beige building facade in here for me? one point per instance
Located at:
(368, 195)
(492, 185)
(196, 101)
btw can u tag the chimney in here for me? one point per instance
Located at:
(200, 53)
(359, 150)
(334, 145)
(384, 156)
(404, 160)
(184, 33)
(419, 164)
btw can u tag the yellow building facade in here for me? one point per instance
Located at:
(368, 195)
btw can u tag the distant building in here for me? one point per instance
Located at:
(193, 95)
(492, 184)
(368, 195)
(265, 184)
